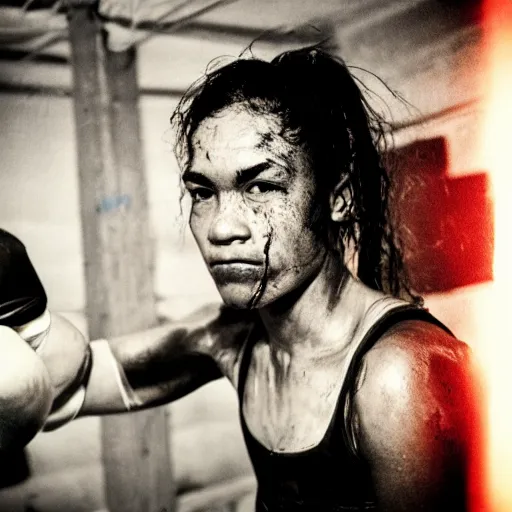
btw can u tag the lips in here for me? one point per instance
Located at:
(236, 271)
(235, 261)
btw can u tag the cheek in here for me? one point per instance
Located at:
(198, 226)
(293, 247)
(293, 242)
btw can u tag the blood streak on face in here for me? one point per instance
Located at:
(252, 201)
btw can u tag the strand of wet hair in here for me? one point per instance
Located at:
(264, 280)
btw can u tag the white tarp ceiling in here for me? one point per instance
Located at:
(126, 22)
(131, 21)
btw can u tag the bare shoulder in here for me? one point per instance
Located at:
(221, 332)
(416, 368)
(415, 353)
(416, 416)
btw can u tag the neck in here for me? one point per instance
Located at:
(317, 319)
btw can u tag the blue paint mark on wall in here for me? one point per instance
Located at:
(111, 203)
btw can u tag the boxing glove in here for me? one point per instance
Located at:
(26, 392)
(23, 307)
(22, 296)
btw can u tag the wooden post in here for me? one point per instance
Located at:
(117, 250)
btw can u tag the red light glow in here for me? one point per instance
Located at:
(496, 355)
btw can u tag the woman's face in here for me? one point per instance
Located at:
(252, 202)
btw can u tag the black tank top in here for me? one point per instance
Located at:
(329, 477)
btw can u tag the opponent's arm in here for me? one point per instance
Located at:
(418, 420)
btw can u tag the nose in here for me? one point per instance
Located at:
(229, 224)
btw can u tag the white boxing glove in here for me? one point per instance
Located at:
(26, 392)
(67, 356)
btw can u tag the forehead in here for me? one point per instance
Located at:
(236, 138)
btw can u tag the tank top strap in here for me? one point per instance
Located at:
(381, 317)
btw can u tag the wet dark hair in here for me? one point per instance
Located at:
(322, 109)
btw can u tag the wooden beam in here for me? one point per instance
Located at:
(118, 254)
(232, 34)
(63, 92)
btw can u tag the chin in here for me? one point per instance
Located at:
(236, 295)
(278, 290)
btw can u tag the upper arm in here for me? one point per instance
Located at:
(167, 362)
(416, 411)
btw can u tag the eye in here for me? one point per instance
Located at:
(200, 194)
(262, 187)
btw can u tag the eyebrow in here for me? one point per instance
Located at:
(242, 175)
(249, 173)
(197, 177)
